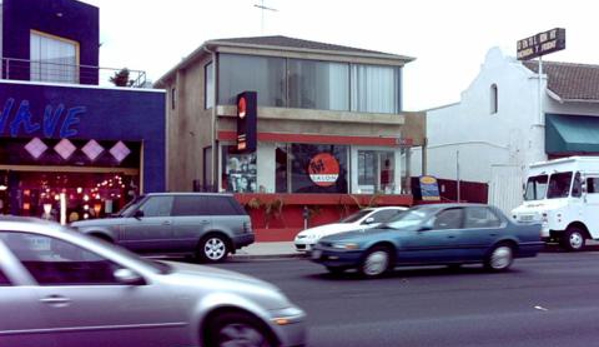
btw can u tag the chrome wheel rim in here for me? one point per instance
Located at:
(376, 263)
(501, 257)
(576, 240)
(241, 335)
(214, 248)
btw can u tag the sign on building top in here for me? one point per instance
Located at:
(542, 43)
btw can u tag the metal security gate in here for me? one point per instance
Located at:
(505, 188)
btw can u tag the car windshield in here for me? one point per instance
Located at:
(410, 218)
(129, 207)
(536, 188)
(355, 217)
(559, 185)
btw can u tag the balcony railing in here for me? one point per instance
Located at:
(45, 71)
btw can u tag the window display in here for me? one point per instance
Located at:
(240, 171)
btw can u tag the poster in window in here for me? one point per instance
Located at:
(429, 188)
(241, 173)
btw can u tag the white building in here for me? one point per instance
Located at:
(497, 128)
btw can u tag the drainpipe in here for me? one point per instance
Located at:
(213, 134)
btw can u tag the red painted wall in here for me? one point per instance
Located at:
(323, 209)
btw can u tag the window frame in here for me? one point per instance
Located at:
(76, 66)
(209, 89)
(494, 93)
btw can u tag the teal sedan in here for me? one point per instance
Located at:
(440, 234)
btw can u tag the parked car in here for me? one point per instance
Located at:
(207, 225)
(366, 218)
(61, 288)
(447, 234)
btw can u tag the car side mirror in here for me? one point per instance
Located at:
(428, 225)
(138, 214)
(128, 277)
(368, 221)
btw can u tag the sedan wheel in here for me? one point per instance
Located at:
(376, 262)
(237, 329)
(213, 249)
(500, 259)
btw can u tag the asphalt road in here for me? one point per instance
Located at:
(551, 300)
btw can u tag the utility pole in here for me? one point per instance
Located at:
(262, 9)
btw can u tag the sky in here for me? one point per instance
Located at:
(449, 39)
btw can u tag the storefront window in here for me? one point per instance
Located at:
(319, 168)
(265, 75)
(282, 163)
(318, 85)
(376, 171)
(239, 171)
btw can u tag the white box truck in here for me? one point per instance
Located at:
(563, 194)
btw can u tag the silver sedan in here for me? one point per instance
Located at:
(61, 288)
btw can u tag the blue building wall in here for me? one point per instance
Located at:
(29, 110)
(68, 19)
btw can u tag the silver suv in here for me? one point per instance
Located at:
(208, 225)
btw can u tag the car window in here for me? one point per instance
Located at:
(355, 216)
(3, 279)
(157, 206)
(56, 262)
(481, 217)
(222, 206)
(384, 215)
(189, 205)
(448, 219)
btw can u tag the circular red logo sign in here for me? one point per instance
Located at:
(241, 108)
(323, 170)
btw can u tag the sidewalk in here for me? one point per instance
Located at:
(268, 250)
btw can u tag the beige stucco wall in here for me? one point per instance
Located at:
(317, 122)
(189, 127)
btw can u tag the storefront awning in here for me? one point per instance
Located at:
(566, 134)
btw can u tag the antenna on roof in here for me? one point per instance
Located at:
(262, 9)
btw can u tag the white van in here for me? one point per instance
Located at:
(563, 194)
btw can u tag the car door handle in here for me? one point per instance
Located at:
(56, 300)
(451, 237)
(205, 222)
(167, 223)
(493, 234)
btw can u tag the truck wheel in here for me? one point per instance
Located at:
(213, 249)
(573, 239)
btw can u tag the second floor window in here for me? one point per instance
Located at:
(53, 59)
(310, 84)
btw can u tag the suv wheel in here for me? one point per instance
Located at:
(213, 249)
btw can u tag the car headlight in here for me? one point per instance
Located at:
(349, 246)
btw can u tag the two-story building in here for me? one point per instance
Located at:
(331, 132)
(67, 145)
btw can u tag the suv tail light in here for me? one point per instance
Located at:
(247, 227)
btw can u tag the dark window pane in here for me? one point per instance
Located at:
(222, 206)
(281, 171)
(238, 73)
(157, 206)
(481, 217)
(383, 216)
(448, 219)
(191, 206)
(318, 85)
(319, 168)
(55, 262)
(559, 185)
